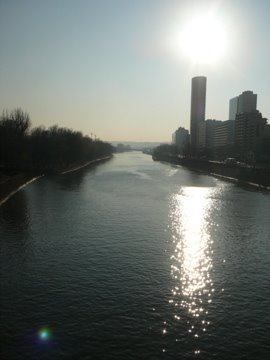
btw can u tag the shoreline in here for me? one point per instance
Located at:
(19, 186)
(16, 183)
(240, 182)
(256, 178)
(88, 163)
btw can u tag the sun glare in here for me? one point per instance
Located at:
(204, 39)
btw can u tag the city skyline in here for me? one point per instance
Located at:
(106, 67)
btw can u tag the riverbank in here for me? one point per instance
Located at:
(11, 183)
(88, 163)
(250, 176)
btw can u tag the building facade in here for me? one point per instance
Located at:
(245, 102)
(201, 135)
(210, 126)
(233, 108)
(224, 134)
(249, 132)
(197, 111)
(180, 138)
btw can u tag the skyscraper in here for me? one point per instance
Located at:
(233, 109)
(249, 131)
(197, 111)
(245, 102)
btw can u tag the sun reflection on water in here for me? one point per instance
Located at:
(191, 261)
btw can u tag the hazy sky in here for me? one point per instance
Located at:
(113, 67)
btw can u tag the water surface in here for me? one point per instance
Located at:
(135, 259)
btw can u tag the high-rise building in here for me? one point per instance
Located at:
(210, 126)
(180, 138)
(224, 134)
(197, 111)
(245, 102)
(201, 135)
(249, 131)
(266, 142)
(233, 108)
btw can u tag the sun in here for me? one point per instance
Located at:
(204, 39)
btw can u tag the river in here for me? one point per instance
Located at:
(135, 259)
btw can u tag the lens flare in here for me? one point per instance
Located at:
(44, 334)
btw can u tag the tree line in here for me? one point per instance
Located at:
(40, 149)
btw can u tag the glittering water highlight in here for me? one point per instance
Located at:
(191, 261)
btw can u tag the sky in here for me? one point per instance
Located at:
(115, 68)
